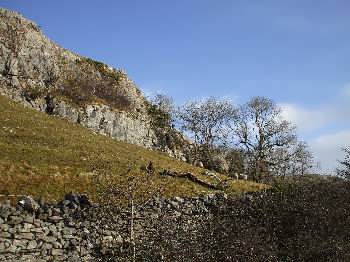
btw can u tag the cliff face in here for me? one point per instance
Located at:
(45, 76)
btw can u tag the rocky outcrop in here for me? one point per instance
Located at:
(40, 74)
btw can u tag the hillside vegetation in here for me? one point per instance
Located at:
(46, 156)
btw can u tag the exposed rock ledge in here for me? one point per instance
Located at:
(97, 117)
(39, 73)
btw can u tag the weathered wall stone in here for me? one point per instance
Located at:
(76, 230)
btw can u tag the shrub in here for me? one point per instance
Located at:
(82, 91)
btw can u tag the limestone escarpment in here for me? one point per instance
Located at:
(42, 75)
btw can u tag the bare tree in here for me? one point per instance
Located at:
(302, 159)
(344, 169)
(295, 159)
(206, 122)
(163, 103)
(161, 110)
(259, 129)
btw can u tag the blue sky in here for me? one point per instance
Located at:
(295, 52)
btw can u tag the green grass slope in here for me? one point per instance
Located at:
(46, 156)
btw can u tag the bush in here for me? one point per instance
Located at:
(82, 91)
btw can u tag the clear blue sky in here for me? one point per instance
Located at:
(295, 52)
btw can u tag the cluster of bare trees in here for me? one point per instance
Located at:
(207, 123)
(254, 133)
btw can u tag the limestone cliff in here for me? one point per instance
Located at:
(39, 73)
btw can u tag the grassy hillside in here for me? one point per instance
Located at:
(46, 156)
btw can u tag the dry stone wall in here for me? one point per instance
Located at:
(76, 230)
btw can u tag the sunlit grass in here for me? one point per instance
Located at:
(46, 156)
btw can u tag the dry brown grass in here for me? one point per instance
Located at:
(46, 156)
